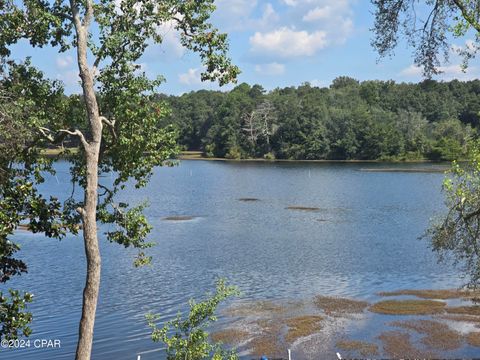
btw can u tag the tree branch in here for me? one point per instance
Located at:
(76, 133)
(110, 124)
(466, 15)
(88, 15)
(47, 134)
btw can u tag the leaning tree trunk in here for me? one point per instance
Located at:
(89, 211)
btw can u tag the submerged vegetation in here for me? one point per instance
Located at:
(408, 307)
(349, 120)
(425, 328)
(339, 306)
(362, 347)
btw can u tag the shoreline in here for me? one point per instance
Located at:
(198, 156)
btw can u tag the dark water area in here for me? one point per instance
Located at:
(361, 239)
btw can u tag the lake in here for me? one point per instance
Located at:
(363, 239)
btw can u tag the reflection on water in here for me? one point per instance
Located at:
(361, 240)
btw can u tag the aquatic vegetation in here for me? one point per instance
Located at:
(439, 336)
(302, 326)
(432, 294)
(461, 318)
(464, 310)
(179, 218)
(302, 208)
(336, 306)
(267, 344)
(230, 336)
(408, 307)
(397, 344)
(258, 308)
(473, 339)
(248, 199)
(362, 347)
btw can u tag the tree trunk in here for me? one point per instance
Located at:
(92, 252)
(89, 210)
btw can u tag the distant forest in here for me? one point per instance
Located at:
(349, 120)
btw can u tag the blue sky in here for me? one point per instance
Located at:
(275, 43)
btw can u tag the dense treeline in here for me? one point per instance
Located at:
(349, 120)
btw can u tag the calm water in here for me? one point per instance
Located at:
(363, 240)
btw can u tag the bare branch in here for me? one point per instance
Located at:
(76, 133)
(47, 134)
(110, 124)
(88, 15)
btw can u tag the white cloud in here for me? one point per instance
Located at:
(270, 69)
(449, 72)
(171, 45)
(302, 29)
(288, 43)
(319, 83)
(238, 15)
(191, 77)
(412, 70)
(64, 62)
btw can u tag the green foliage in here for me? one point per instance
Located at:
(457, 235)
(117, 120)
(350, 120)
(187, 338)
(13, 318)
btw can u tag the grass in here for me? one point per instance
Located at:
(302, 326)
(302, 208)
(473, 339)
(408, 307)
(397, 344)
(431, 294)
(437, 335)
(338, 306)
(464, 310)
(49, 152)
(363, 348)
(179, 218)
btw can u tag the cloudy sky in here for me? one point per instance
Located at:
(276, 43)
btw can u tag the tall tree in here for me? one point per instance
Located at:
(119, 135)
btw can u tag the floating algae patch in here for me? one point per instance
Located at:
(230, 336)
(437, 335)
(248, 199)
(397, 344)
(336, 306)
(267, 345)
(472, 319)
(408, 307)
(256, 308)
(464, 310)
(302, 326)
(432, 294)
(473, 339)
(179, 218)
(363, 348)
(302, 208)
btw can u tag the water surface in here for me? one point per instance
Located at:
(363, 239)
